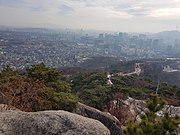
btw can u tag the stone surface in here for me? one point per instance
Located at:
(111, 122)
(126, 109)
(49, 123)
(172, 110)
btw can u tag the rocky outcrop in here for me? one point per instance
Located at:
(111, 122)
(172, 110)
(135, 107)
(131, 109)
(126, 109)
(49, 123)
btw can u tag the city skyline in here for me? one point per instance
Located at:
(117, 15)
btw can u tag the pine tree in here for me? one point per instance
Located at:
(150, 123)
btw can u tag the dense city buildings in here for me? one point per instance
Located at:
(24, 47)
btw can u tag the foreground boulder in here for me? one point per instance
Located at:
(111, 122)
(49, 123)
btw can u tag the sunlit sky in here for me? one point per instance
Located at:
(116, 15)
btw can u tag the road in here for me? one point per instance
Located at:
(137, 71)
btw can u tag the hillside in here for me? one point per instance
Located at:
(167, 35)
(39, 88)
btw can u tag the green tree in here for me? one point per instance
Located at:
(51, 77)
(92, 89)
(97, 97)
(42, 88)
(65, 101)
(7, 73)
(27, 94)
(150, 123)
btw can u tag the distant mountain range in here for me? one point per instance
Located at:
(25, 29)
(2, 27)
(167, 35)
(161, 35)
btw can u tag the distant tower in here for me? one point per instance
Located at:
(157, 89)
(176, 28)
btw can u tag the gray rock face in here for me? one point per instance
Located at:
(49, 123)
(111, 122)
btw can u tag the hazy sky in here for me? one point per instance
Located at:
(117, 15)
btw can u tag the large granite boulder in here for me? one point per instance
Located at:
(49, 123)
(111, 122)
